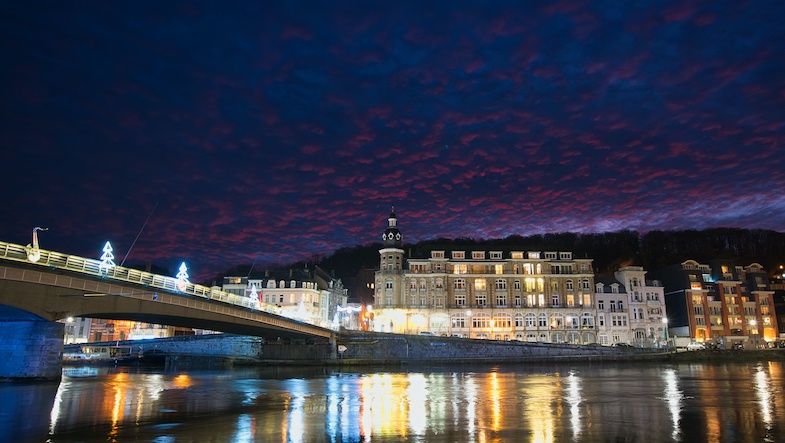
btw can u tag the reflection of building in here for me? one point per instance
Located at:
(630, 309)
(719, 301)
(532, 296)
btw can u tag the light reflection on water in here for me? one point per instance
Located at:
(677, 403)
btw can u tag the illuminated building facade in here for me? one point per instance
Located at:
(630, 309)
(515, 295)
(312, 298)
(719, 302)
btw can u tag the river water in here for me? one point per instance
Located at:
(641, 402)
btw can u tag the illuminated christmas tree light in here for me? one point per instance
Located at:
(107, 260)
(182, 277)
(254, 296)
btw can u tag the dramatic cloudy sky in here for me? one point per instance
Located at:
(280, 130)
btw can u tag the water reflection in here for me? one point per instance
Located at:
(763, 391)
(673, 397)
(686, 403)
(574, 400)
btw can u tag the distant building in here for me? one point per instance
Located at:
(301, 295)
(544, 296)
(719, 302)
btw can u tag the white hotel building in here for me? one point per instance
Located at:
(537, 296)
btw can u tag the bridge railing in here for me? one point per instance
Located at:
(56, 260)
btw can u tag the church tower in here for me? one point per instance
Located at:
(389, 278)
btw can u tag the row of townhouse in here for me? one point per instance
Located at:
(537, 296)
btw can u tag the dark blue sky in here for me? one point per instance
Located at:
(280, 130)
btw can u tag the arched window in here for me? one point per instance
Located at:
(481, 320)
(531, 320)
(502, 320)
(519, 320)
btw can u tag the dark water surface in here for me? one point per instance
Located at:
(736, 402)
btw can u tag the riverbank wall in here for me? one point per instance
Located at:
(373, 349)
(363, 349)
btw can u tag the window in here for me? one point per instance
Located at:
(459, 321)
(496, 255)
(601, 320)
(519, 320)
(585, 284)
(460, 269)
(458, 255)
(501, 299)
(501, 284)
(389, 285)
(499, 269)
(568, 283)
(412, 284)
(481, 320)
(542, 321)
(502, 320)
(459, 284)
(531, 320)
(479, 284)
(557, 321)
(517, 285)
(517, 300)
(460, 299)
(555, 300)
(482, 299)
(478, 255)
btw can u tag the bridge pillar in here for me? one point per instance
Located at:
(31, 350)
